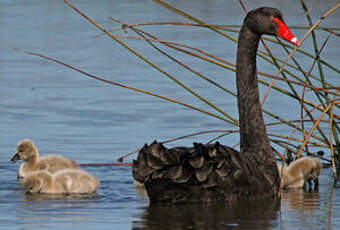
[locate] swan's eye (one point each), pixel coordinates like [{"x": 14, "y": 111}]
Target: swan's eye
[
  {"x": 271, "y": 27},
  {"x": 273, "y": 19}
]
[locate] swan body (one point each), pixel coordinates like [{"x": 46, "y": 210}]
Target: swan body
[
  {"x": 65, "y": 181},
  {"x": 305, "y": 169},
  {"x": 28, "y": 152},
  {"x": 202, "y": 173},
  {"x": 214, "y": 172}
]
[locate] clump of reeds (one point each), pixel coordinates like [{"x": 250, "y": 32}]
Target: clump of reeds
[{"x": 299, "y": 82}]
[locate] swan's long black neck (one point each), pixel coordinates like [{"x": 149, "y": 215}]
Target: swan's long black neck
[{"x": 252, "y": 129}]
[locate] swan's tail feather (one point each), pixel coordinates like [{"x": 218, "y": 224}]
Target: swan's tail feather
[{"x": 190, "y": 174}]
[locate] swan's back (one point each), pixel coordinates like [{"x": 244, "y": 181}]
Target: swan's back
[
  {"x": 76, "y": 181},
  {"x": 202, "y": 173}
]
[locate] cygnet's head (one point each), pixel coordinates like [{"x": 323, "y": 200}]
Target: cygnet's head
[
  {"x": 33, "y": 183},
  {"x": 25, "y": 150}
]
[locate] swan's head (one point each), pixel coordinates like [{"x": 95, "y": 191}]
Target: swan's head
[
  {"x": 267, "y": 20},
  {"x": 33, "y": 183},
  {"x": 25, "y": 150}
]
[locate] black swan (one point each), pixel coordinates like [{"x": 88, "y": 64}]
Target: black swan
[{"x": 214, "y": 172}]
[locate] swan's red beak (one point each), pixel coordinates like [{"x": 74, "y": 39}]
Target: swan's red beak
[{"x": 284, "y": 32}]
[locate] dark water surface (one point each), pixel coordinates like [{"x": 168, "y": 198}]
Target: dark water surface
[{"x": 92, "y": 122}]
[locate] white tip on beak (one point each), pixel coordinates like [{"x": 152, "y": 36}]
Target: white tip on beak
[{"x": 295, "y": 41}]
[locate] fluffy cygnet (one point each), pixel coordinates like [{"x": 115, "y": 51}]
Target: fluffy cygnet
[
  {"x": 140, "y": 188},
  {"x": 282, "y": 170},
  {"x": 27, "y": 152},
  {"x": 305, "y": 169},
  {"x": 64, "y": 181}
]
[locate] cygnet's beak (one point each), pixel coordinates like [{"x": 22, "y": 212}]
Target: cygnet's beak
[{"x": 15, "y": 158}]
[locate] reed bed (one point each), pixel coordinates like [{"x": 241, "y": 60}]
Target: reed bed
[{"x": 292, "y": 79}]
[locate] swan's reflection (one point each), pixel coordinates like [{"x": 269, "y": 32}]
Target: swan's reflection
[{"x": 216, "y": 216}]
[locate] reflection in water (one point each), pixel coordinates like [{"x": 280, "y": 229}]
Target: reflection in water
[
  {"x": 39, "y": 210},
  {"x": 97, "y": 123},
  {"x": 217, "y": 216},
  {"x": 300, "y": 201},
  {"x": 302, "y": 206},
  {"x": 56, "y": 196}
]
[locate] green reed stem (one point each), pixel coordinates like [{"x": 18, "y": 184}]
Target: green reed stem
[
  {"x": 333, "y": 9},
  {"x": 190, "y": 17},
  {"x": 168, "y": 44},
  {"x": 315, "y": 44},
  {"x": 304, "y": 53},
  {"x": 327, "y": 28},
  {"x": 195, "y": 72},
  {"x": 143, "y": 33},
  {"x": 316, "y": 93},
  {"x": 184, "y": 14},
  {"x": 302, "y": 71},
  {"x": 219, "y": 61},
  {"x": 233, "y": 122},
  {"x": 228, "y": 67},
  {"x": 155, "y": 39},
  {"x": 176, "y": 46},
  {"x": 223, "y": 27},
  {"x": 122, "y": 85}
]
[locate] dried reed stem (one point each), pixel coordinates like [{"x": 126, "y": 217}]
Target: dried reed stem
[
  {"x": 312, "y": 130},
  {"x": 122, "y": 85},
  {"x": 231, "y": 121},
  {"x": 307, "y": 34},
  {"x": 335, "y": 176}
]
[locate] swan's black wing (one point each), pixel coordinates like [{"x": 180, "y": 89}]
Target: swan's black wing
[{"x": 202, "y": 173}]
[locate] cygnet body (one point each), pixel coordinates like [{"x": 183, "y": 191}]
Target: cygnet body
[
  {"x": 65, "y": 181},
  {"x": 140, "y": 188},
  {"x": 28, "y": 152},
  {"x": 305, "y": 169},
  {"x": 282, "y": 171}
]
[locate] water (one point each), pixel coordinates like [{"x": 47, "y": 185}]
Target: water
[{"x": 91, "y": 122}]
